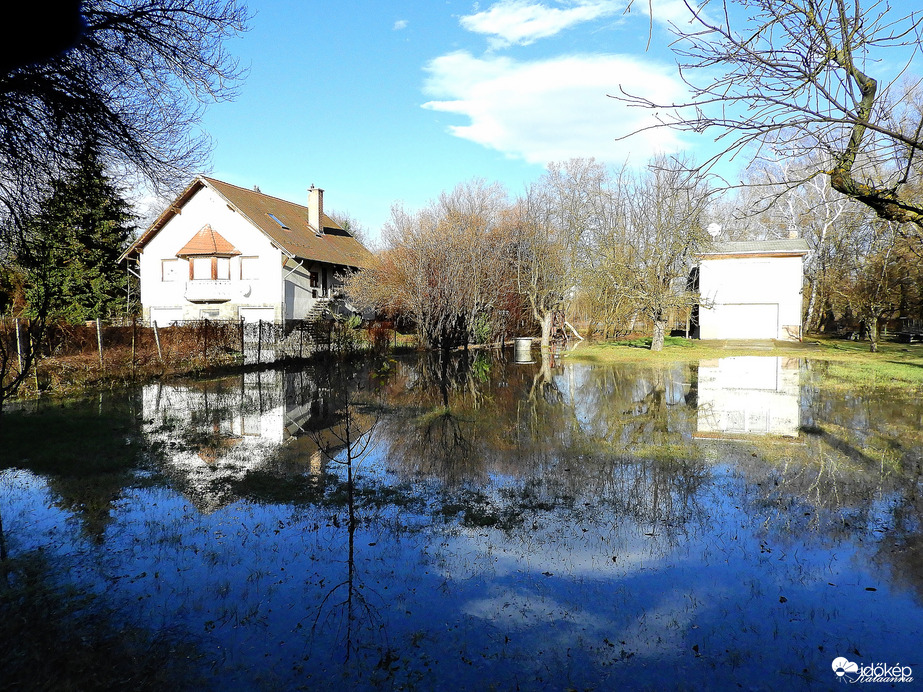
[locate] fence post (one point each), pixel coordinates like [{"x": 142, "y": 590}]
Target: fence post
[
  {"x": 99, "y": 341},
  {"x": 157, "y": 341},
  {"x": 33, "y": 349},
  {"x": 259, "y": 340},
  {"x": 18, "y": 345},
  {"x": 205, "y": 341},
  {"x": 134, "y": 331},
  {"x": 243, "y": 353}
]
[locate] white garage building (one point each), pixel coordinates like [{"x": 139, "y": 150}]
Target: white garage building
[{"x": 752, "y": 290}]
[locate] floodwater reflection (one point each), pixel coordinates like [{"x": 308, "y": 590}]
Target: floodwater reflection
[
  {"x": 749, "y": 395},
  {"x": 466, "y": 522}
]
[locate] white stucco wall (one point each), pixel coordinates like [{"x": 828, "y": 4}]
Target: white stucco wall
[
  {"x": 750, "y": 298},
  {"x": 206, "y": 207}
]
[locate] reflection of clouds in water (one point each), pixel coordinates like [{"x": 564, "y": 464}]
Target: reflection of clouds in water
[
  {"x": 518, "y": 609},
  {"x": 620, "y": 618},
  {"x": 661, "y": 630},
  {"x": 560, "y": 548}
]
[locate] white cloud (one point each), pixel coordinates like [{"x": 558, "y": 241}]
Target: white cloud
[
  {"x": 523, "y": 22},
  {"x": 553, "y": 109},
  {"x": 400, "y": 24}
]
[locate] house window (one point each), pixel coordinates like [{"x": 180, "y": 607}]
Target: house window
[
  {"x": 201, "y": 268},
  {"x": 222, "y": 268},
  {"x": 249, "y": 268},
  {"x": 169, "y": 270},
  {"x": 315, "y": 280},
  {"x": 210, "y": 268}
]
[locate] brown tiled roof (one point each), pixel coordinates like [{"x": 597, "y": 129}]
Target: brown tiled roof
[
  {"x": 207, "y": 242},
  {"x": 336, "y": 246}
]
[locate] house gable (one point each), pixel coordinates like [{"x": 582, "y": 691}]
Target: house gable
[{"x": 284, "y": 223}]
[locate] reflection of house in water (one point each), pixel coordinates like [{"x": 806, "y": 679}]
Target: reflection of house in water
[
  {"x": 212, "y": 434},
  {"x": 748, "y": 395}
]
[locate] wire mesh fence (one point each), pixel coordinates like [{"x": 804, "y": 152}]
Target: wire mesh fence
[{"x": 72, "y": 355}]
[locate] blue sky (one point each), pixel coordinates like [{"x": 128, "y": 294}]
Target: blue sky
[
  {"x": 384, "y": 102},
  {"x": 393, "y": 102}
]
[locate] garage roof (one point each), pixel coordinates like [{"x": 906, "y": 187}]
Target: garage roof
[{"x": 783, "y": 247}]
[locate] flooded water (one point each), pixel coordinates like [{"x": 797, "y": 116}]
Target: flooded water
[{"x": 471, "y": 523}]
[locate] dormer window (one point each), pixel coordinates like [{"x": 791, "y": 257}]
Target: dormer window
[{"x": 209, "y": 256}]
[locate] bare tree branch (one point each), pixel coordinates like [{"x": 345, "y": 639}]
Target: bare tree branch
[{"x": 795, "y": 73}]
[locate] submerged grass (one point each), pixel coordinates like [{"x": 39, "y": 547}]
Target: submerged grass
[
  {"x": 59, "y": 638},
  {"x": 850, "y": 363},
  {"x": 73, "y": 440}
]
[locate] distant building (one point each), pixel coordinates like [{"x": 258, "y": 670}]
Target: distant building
[
  {"x": 752, "y": 290},
  {"x": 224, "y": 252}
]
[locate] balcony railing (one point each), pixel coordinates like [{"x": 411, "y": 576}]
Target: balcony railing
[{"x": 208, "y": 291}]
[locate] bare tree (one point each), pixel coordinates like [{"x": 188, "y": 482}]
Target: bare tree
[
  {"x": 445, "y": 268},
  {"x": 664, "y": 232},
  {"x": 552, "y": 226},
  {"x": 129, "y": 77},
  {"x": 133, "y": 82},
  {"x": 814, "y": 211},
  {"x": 798, "y": 74},
  {"x": 543, "y": 273},
  {"x": 879, "y": 276}
]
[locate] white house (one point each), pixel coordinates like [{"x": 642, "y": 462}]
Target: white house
[
  {"x": 752, "y": 290},
  {"x": 224, "y": 252}
]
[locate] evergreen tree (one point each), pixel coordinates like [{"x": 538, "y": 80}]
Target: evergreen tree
[{"x": 71, "y": 256}]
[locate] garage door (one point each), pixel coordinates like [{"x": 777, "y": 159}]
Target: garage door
[
  {"x": 747, "y": 321},
  {"x": 164, "y": 317},
  {"x": 256, "y": 314}
]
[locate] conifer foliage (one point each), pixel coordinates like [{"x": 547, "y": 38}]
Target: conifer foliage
[{"x": 69, "y": 261}]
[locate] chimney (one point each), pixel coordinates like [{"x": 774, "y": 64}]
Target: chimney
[{"x": 316, "y": 210}]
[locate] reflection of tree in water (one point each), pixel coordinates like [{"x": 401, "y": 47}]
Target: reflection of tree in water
[
  {"x": 88, "y": 453},
  {"x": 901, "y": 544},
  {"x": 442, "y": 405},
  {"x": 346, "y": 608},
  {"x": 57, "y": 638},
  {"x": 856, "y": 468},
  {"x": 630, "y": 431},
  {"x": 555, "y": 435}
]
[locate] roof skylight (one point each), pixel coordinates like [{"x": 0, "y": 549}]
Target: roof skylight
[{"x": 276, "y": 219}]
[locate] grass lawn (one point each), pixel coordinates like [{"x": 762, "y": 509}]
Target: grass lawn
[{"x": 850, "y": 363}]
